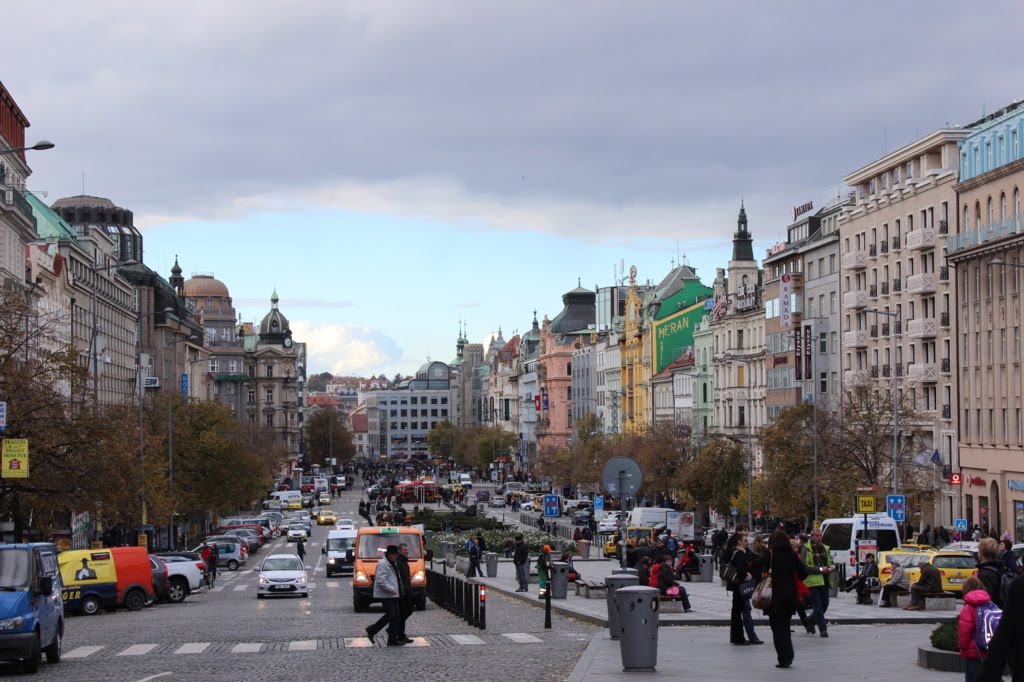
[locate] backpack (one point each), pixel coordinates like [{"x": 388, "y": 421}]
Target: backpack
[
  {"x": 1005, "y": 580},
  {"x": 988, "y": 616},
  {"x": 672, "y": 546}
]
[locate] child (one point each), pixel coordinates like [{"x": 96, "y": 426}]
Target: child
[{"x": 974, "y": 596}]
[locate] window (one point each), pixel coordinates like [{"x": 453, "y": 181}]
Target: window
[
  {"x": 568, "y": 369},
  {"x": 739, "y": 339},
  {"x": 270, "y": 370},
  {"x": 270, "y": 420},
  {"x": 270, "y": 395},
  {"x": 832, "y": 300},
  {"x": 824, "y": 382},
  {"x": 568, "y": 393},
  {"x": 232, "y": 366},
  {"x": 742, "y": 416},
  {"x": 214, "y": 365},
  {"x": 252, "y": 396},
  {"x": 822, "y": 344},
  {"x": 832, "y": 264}
]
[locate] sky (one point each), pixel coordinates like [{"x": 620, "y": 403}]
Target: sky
[{"x": 395, "y": 168}]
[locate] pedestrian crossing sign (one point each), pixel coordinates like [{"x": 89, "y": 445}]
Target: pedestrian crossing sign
[{"x": 960, "y": 525}]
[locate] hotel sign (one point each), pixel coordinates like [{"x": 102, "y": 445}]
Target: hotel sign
[
  {"x": 786, "y": 300},
  {"x": 801, "y": 209}
]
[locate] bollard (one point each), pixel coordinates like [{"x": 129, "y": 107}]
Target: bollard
[
  {"x": 559, "y": 585},
  {"x": 638, "y": 627},
  {"x": 584, "y": 546},
  {"x": 491, "y": 559},
  {"x": 614, "y": 583}
]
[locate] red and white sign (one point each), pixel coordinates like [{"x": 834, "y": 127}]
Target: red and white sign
[
  {"x": 786, "y": 301},
  {"x": 956, "y": 479}
]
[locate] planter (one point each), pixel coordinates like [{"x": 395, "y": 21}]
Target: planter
[{"x": 937, "y": 659}]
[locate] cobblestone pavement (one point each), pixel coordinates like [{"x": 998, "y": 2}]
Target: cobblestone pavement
[{"x": 228, "y": 634}]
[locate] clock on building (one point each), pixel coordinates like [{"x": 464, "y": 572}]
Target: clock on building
[{"x": 287, "y": 342}]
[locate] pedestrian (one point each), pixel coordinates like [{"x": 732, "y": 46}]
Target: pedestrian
[
  {"x": 577, "y": 534},
  {"x": 898, "y": 583},
  {"x": 740, "y": 620},
  {"x": 801, "y": 602},
  {"x": 868, "y": 573},
  {"x": 544, "y": 570},
  {"x": 406, "y": 601},
  {"x": 929, "y": 582},
  {"x": 974, "y": 596},
  {"x": 1008, "y": 558},
  {"x": 991, "y": 569},
  {"x": 300, "y": 549},
  {"x": 1007, "y": 645},
  {"x": 474, "y": 559},
  {"x": 817, "y": 555},
  {"x": 667, "y": 585},
  {"x": 521, "y": 560},
  {"x": 672, "y": 547},
  {"x": 644, "y": 571},
  {"x": 785, "y": 568},
  {"x": 387, "y": 587}
]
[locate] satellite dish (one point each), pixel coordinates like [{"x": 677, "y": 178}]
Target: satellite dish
[{"x": 621, "y": 476}]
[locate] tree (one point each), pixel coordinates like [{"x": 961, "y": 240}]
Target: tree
[
  {"x": 715, "y": 476},
  {"x": 789, "y": 462},
  {"x": 662, "y": 453},
  {"x": 441, "y": 439},
  {"x": 492, "y": 442},
  {"x": 318, "y": 382},
  {"x": 327, "y": 437}
]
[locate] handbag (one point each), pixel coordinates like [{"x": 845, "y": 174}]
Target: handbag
[
  {"x": 802, "y": 591},
  {"x": 762, "y": 595},
  {"x": 747, "y": 588},
  {"x": 727, "y": 571},
  {"x": 672, "y": 591}
]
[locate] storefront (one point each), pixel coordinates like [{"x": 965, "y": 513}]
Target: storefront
[{"x": 1015, "y": 491}]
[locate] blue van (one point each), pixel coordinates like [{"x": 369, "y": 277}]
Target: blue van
[{"x": 31, "y": 604}]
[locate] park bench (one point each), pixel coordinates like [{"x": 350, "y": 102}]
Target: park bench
[
  {"x": 591, "y": 589},
  {"x": 930, "y": 601},
  {"x": 670, "y": 604}
]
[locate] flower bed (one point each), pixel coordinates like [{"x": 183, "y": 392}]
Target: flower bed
[{"x": 495, "y": 539}]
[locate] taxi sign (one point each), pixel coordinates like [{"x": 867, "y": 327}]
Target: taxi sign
[{"x": 865, "y": 504}]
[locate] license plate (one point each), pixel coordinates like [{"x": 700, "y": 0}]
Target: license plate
[
  {"x": 956, "y": 580},
  {"x": 281, "y": 588}
]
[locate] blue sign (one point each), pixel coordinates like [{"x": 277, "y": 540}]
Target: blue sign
[
  {"x": 184, "y": 385},
  {"x": 896, "y": 507},
  {"x": 598, "y": 503},
  {"x": 960, "y": 525},
  {"x": 734, "y": 511},
  {"x": 551, "y": 505}
]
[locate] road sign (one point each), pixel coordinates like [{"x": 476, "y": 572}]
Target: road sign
[
  {"x": 3, "y": 416},
  {"x": 551, "y": 505},
  {"x": 865, "y": 504},
  {"x": 734, "y": 511},
  {"x": 896, "y": 507},
  {"x": 184, "y": 384},
  {"x": 960, "y": 525},
  {"x": 598, "y": 503},
  {"x": 624, "y": 472}
]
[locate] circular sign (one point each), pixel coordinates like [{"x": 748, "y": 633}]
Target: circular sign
[{"x": 621, "y": 476}]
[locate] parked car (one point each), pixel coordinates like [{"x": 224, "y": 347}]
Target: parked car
[
  {"x": 498, "y": 501},
  {"x": 282, "y": 574},
  {"x": 32, "y": 604},
  {"x": 246, "y": 535},
  {"x": 183, "y": 576},
  {"x": 106, "y": 578},
  {"x": 160, "y": 581},
  {"x": 581, "y": 518},
  {"x": 609, "y": 523},
  {"x": 231, "y": 553},
  {"x": 530, "y": 505}
]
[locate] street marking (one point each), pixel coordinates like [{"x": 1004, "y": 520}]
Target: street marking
[
  {"x": 312, "y": 585},
  {"x": 153, "y": 677},
  {"x": 138, "y": 649},
  {"x": 239, "y": 588},
  {"x": 418, "y": 641},
  {"x": 247, "y": 648},
  {"x": 82, "y": 652},
  {"x": 358, "y": 642},
  {"x": 217, "y": 589},
  {"x": 522, "y": 638},
  {"x": 303, "y": 645},
  {"x": 333, "y": 584},
  {"x": 466, "y": 639},
  {"x": 192, "y": 648}
]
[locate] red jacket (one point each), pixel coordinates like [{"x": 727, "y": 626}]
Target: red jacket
[
  {"x": 652, "y": 581},
  {"x": 968, "y": 621}
]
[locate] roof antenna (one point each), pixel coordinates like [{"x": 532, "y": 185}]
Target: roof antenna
[{"x": 83, "y": 183}]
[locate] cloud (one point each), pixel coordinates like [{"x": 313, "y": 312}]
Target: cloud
[{"x": 346, "y": 349}]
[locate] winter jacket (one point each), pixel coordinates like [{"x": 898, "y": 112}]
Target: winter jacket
[
  {"x": 930, "y": 580},
  {"x": 1007, "y": 644},
  {"x": 739, "y": 561},
  {"x": 824, "y": 558},
  {"x": 990, "y": 573},
  {"x": 899, "y": 579},
  {"x": 386, "y": 581},
  {"x": 785, "y": 567},
  {"x": 665, "y": 580},
  {"x": 968, "y": 620},
  {"x": 652, "y": 578},
  {"x": 521, "y": 555}
]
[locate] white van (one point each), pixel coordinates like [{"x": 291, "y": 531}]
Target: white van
[
  {"x": 285, "y": 496},
  {"x": 841, "y": 535},
  {"x": 466, "y": 481},
  {"x": 339, "y": 550},
  {"x": 647, "y": 517}
]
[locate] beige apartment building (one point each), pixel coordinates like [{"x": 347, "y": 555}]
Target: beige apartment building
[{"x": 896, "y": 300}]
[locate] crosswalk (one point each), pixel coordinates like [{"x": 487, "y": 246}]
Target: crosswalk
[{"x": 304, "y": 645}]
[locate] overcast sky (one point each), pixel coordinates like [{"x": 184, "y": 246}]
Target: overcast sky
[{"x": 392, "y": 167}]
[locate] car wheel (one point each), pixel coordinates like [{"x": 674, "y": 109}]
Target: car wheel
[
  {"x": 232, "y": 565},
  {"x": 54, "y": 650},
  {"x": 31, "y": 664},
  {"x": 177, "y": 591},
  {"x": 135, "y": 600},
  {"x": 90, "y": 605}
]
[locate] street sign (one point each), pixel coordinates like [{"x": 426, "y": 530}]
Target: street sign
[
  {"x": 598, "y": 503},
  {"x": 184, "y": 384},
  {"x": 3, "y": 416},
  {"x": 622, "y": 470},
  {"x": 551, "y": 505},
  {"x": 15, "y": 458},
  {"x": 896, "y": 507},
  {"x": 865, "y": 504},
  {"x": 734, "y": 511},
  {"x": 960, "y": 525}
]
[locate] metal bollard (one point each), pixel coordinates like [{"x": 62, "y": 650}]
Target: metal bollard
[
  {"x": 638, "y": 627},
  {"x": 614, "y": 583}
]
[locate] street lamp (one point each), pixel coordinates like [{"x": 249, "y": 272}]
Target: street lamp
[
  {"x": 750, "y": 438},
  {"x": 170, "y": 343},
  {"x": 142, "y": 391},
  {"x": 895, "y": 405},
  {"x": 38, "y": 147}
]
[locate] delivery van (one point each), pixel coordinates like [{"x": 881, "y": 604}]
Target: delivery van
[
  {"x": 106, "y": 578},
  {"x": 648, "y": 516},
  {"x": 340, "y": 550},
  {"x": 882, "y": 534},
  {"x": 32, "y": 604},
  {"x": 370, "y": 545}
]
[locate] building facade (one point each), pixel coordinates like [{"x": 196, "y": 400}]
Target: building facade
[
  {"x": 17, "y": 220},
  {"x": 407, "y": 413}
]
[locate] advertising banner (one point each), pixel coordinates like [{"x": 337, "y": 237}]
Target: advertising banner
[
  {"x": 15, "y": 458},
  {"x": 786, "y": 300}
]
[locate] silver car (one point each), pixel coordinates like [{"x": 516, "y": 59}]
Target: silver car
[
  {"x": 282, "y": 574},
  {"x": 297, "y": 532}
]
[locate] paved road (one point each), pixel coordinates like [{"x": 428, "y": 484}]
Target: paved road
[{"x": 227, "y": 634}]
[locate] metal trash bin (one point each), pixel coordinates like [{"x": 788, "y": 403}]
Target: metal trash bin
[
  {"x": 492, "y": 564},
  {"x": 628, "y": 571},
  {"x": 613, "y": 583},
  {"x": 584, "y": 547},
  {"x": 559, "y": 579},
  {"x": 707, "y": 568},
  {"x": 638, "y": 626}
]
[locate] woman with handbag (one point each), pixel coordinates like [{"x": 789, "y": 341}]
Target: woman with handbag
[
  {"x": 667, "y": 585},
  {"x": 779, "y": 589},
  {"x": 737, "y": 576}
]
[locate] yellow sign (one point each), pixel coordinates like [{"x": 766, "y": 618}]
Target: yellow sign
[
  {"x": 15, "y": 458},
  {"x": 143, "y": 540},
  {"x": 865, "y": 504}
]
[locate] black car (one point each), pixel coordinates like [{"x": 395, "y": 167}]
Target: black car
[{"x": 161, "y": 587}]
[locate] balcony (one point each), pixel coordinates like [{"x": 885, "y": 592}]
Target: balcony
[
  {"x": 947, "y": 411},
  {"x": 922, "y": 328},
  {"x": 855, "y": 299},
  {"x": 873, "y": 291},
  {"x": 855, "y": 260},
  {"x": 873, "y": 332},
  {"x": 923, "y": 372},
  {"x": 886, "y": 372},
  {"x": 944, "y": 320},
  {"x": 896, "y": 285},
  {"x": 873, "y": 251},
  {"x": 13, "y": 201},
  {"x": 896, "y": 243},
  {"x": 943, "y": 227},
  {"x": 874, "y": 371},
  {"x": 921, "y": 283},
  {"x": 986, "y": 233},
  {"x": 944, "y": 367},
  {"x": 885, "y": 288},
  {"x": 944, "y": 273},
  {"x": 897, "y": 327},
  {"x": 885, "y": 329},
  {"x": 885, "y": 248},
  {"x": 856, "y": 339},
  {"x": 921, "y": 239},
  {"x": 855, "y": 377}
]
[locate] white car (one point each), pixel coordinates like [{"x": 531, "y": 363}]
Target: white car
[
  {"x": 282, "y": 574},
  {"x": 497, "y": 501},
  {"x": 183, "y": 576},
  {"x": 529, "y": 506},
  {"x": 297, "y": 532},
  {"x": 345, "y": 524},
  {"x": 609, "y": 523}
]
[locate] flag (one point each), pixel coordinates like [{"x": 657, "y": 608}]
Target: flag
[
  {"x": 936, "y": 457},
  {"x": 922, "y": 458}
]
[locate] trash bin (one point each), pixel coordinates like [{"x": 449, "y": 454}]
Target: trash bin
[
  {"x": 428, "y": 535},
  {"x": 584, "y": 547},
  {"x": 707, "y": 568},
  {"x": 638, "y": 626},
  {"x": 559, "y": 579},
  {"x": 629, "y": 571},
  {"x": 613, "y": 583},
  {"x": 492, "y": 564}
]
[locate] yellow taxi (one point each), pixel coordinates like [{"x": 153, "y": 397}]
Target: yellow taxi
[
  {"x": 908, "y": 558},
  {"x": 326, "y": 518},
  {"x": 295, "y": 505},
  {"x": 955, "y": 567},
  {"x": 611, "y": 548},
  {"x": 919, "y": 548}
]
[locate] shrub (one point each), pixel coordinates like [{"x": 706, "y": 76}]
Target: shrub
[
  {"x": 495, "y": 540},
  {"x": 945, "y": 634}
]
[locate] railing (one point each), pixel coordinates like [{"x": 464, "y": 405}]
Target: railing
[
  {"x": 874, "y": 331},
  {"x": 885, "y": 248},
  {"x": 899, "y": 369},
  {"x": 944, "y": 273},
  {"x": 986, "y": 233},
  {"x": 873, "y": 250},
  {"x": 886, "y": 371},
  {"x": 895, "y": 243},
  {"x": 947, "y": 412},
  {"x": 897, "y": 327},
  {"x": 874, "y": 371},
  {"x": 16, "y": 199},
  {"x": 885, "y": 329},
  {"x": 885, "y": 288},
  {"x": 896, "y": 285},
  {"x": 465, "y": 599},
  {"x": 943, "y": 319},
  {"x": 873, "y": 290},
  {"x": 945, "y": 365}
]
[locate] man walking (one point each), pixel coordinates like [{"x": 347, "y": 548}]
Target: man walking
[
  {"x": 521, "y": 560},
  {"x": 817, "y": 555},
  {"x": 474, "y": 559},
  {"x": 300, "y": 549},
  {"x": 404, "y": 575},
  {"x": 387, "y": 587}
]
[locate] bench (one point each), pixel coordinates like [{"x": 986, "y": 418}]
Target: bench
[
  {"x": 671, "y": 604},
  {"x": 930, "y": 601},
  {"x": 591, "y": 589}
]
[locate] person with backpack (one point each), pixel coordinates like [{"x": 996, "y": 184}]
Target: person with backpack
[
  {"x": 1008, "y": 558},
  {"x": 975, "y": 599},
  {"x": 991, "y": 571},
  {"x": 1007, "y": 643}
]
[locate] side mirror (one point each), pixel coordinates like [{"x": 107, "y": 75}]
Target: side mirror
[
  {"x": 430, "y": 555},
  {"x": 323, "y": 550},
  {"x": 46, "y": 585}
]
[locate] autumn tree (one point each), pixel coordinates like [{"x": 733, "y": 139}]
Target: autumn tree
[
  {"x": 715, "y": 475},
  {"x": 327, "y": 437},
  {"x": 442, "y": 438},
  {"x": 663, "y": 452}
]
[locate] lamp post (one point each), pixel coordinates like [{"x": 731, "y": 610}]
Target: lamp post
[
  {"x": 170, "y": 343},
  {"x": 895, "y": 404},
  {"x": 38, "y": 147},
  {"x": 750, "y": 438}
]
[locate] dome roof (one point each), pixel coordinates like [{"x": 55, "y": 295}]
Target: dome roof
[
  {"x": 203, "y": 286},
  {"x": 83, "y": 200},
  {"x": 274, "y": 323}
]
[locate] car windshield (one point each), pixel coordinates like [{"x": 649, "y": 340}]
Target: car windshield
[
  {"x": 283, "y": 564},
  {"x": 372, "y": 546},
  {"x": 296, "y": 526},
  {"x": 14, "y": 569},
  {"x": 340, "y": 544}
]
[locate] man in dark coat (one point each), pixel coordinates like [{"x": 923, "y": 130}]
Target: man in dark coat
[
  {"x": 521, "y": 560},
  {"x": 1007, "y": 646},
  {"x": 930, "y": 581}
]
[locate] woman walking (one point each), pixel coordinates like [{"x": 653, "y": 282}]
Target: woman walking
[
  {"x": 739, "y": 618},
  {"x": 785, "y": 568}
]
